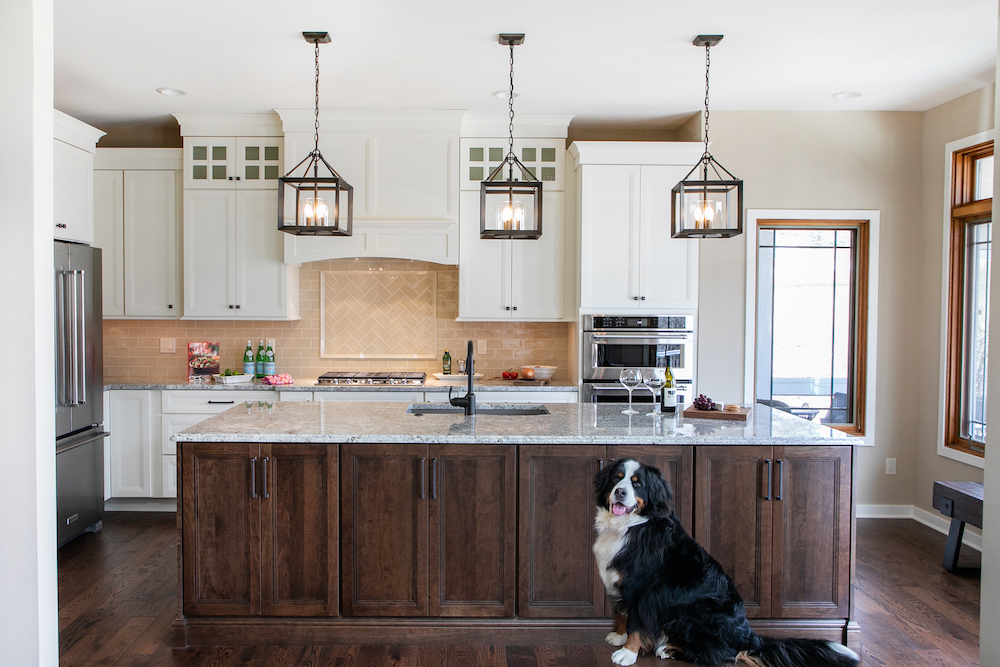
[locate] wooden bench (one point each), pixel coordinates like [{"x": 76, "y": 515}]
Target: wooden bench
[{"x": 963, "y": 502}]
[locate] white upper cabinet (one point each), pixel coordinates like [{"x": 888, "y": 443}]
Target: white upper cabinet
[
  {"x": 233, "y": 263},
  {"x": 244, "y": 163},
  {"x": 137, "y": 225},
  {"x": 628, "y": 259},
  {"x": 73, "y": 178}
]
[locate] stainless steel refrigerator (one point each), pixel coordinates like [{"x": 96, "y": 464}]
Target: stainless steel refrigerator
[{"x": 79, "y": 361}]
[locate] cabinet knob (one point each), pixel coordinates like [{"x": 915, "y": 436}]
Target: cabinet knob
[
  {"x": 230, "y": 178},
  {"x": 231, "y": 306},
  {"x": 170, "y": 305},
  {"x": 237, "y": 306},
  {"x": 643, "y": 298},
  {"x": 515, "y": 307},
  {"x": 61, "y": 225},
  {"x": 635, "y": 298},
  {"x": 237, "y": 178},
  {"x": 508, "y": 307}
]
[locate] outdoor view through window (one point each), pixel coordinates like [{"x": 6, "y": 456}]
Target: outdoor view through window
[{"x": 808, "y": 319}]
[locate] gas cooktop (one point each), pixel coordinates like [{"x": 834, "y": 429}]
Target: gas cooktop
[{"x": 357, "y": 378}]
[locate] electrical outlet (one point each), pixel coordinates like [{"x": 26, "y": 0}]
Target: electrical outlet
[
  {"x": 890, "y": 466},
  {"x": 168, "y": 345},
  {"x": 482, "y": 347}
]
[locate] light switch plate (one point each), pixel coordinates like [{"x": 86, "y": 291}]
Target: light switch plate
[
  {"x": 890, "y": 466},
  {"x": 168, "y": 345}
]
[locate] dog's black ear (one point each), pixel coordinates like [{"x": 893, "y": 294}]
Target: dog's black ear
[
  {"x": 601, "y": 484},
  {"x": 660, "y": 493}
]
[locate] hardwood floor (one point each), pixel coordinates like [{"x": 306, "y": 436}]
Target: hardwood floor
[{"x": 117, "y": 598}]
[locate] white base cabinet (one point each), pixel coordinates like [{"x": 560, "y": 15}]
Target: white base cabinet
[{"x": 133, "y": 424}]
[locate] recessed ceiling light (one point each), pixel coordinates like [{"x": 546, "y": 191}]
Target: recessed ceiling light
[
  {"x": 505, "y": 94},
  {"x": 845, "y": 95},
  {"x": 173, "y": 92}
]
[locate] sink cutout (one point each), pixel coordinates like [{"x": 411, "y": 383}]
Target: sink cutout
[{"x": 501, "y": 409}]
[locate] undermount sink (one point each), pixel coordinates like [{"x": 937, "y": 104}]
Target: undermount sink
[{"x": 503, "y": 409}]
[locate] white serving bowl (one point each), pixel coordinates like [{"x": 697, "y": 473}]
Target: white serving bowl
[{"x": 541, "y": 372}]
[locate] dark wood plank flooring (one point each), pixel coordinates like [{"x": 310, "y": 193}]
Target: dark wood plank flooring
[{"x": 117, "y": 598}]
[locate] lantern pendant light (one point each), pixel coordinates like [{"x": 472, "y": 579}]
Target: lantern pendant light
[
  {"x": 510, "y": 209},
  {"x": 707, "y": 204},
  {"x": 319, "y": 200}
]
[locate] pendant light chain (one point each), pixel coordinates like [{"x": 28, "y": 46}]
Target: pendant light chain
[
  {"x": 510, "y": 112},
  {"x": 316, "y": 124},
  {"x": 708, "y": 64}
]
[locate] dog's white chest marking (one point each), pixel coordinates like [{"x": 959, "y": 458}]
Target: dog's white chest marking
[{"x": 612, "y": 534}]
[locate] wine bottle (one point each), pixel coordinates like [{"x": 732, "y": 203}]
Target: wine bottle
[
  {"x": 668, "y": 395},
  {"x": 248, "y": 364},
  {"x": 269, "y": 358},
  {"x": 259, "y": 361},
  {"x": 446, "y": 363}
]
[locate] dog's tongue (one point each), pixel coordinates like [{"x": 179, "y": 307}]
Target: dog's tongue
[{"x": 618, "y": 509}]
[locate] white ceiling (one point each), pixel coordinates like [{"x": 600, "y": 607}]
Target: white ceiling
[{"x": 629, "y": 61}]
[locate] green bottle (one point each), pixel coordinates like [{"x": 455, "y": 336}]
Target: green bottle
[
  {"x": 248, "y": 365},
  {"x": 446, "y": 363},
  {"x": 668, "y": 395},
  {"x": 269, "y": 358},
  {"x": 259, "y": 363}
]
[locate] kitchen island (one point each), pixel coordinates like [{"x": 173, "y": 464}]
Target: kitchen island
[{"x": 365, "y": 523}]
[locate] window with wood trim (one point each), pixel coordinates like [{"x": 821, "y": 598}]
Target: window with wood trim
[
  {"x": 812, "y": 319},
  {"x": 969, "y": 298}
]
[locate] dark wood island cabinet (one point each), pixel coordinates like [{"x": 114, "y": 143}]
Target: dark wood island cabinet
[{"x": 486, "y": 537}]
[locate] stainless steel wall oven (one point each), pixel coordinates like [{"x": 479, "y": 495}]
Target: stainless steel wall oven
[{"x": 613, "y": 342}]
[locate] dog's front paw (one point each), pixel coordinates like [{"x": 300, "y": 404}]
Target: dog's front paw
[
  {"x": 666, "y": 652},
  {"x": 615, "y": 639},
  {"x": 625, "y": 657}
]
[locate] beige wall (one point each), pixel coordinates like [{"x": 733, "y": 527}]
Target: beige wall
[
  {"x": 131, "y": 347},
  {"x": 960, "y": 118},
  {"x": 828, "y": 160}
]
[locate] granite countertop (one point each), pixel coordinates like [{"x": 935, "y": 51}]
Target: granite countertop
[
  {"x": 309, "y": 384},
  {"x": 568, "y": 423}
]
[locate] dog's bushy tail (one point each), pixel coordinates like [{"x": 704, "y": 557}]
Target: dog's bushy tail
[{"x": 798, "y": 653}]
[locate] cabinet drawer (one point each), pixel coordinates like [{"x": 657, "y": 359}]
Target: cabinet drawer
[
  {"x": 209, "y": 401},
  {"x": 295, "y": 396},
  {"x": 381, "y": 396}
]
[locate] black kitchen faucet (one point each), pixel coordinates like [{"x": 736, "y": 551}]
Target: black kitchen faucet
[{"x": 469, "y": 400}]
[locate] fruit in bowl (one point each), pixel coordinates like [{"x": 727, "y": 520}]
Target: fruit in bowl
[{"x": 538, "y": 372}]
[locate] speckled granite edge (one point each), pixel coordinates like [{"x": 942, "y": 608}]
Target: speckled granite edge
[
  {"x": 309, "y": 385},
  {"x": 569, "y": 423}
]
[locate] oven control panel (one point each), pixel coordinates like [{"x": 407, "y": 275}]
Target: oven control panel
[{"x": 671, "y": 323}]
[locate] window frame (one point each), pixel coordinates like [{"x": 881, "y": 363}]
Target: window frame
[
  {"x": 860, "y": 288},
  {"x": 962, "y": 211},
  {"x": 872, "y": 216}
]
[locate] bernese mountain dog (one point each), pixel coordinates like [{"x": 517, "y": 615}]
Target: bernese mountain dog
[{"x": 669, "y": 594}]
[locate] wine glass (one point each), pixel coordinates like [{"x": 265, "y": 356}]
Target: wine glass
[
  {"x": 630, "y": 379},
  {"x": 654, "y": 379}
]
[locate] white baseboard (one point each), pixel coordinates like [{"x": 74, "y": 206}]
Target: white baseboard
[
  {"x": 973, "y": 536},
  {"x": 140, "y": 505}
]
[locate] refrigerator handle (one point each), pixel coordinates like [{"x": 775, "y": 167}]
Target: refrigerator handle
[
  {"x": 70, "y": 345},
  {"x": 81, "y": 349}
]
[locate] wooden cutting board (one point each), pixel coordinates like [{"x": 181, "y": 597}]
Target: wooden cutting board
[{"x": 695, "y": 413}]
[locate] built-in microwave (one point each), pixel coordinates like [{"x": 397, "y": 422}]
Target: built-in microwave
[{"x": 613, "y": 342}]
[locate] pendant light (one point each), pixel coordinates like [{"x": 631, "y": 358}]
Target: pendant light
[
  {"x": 707, "y": 204},
  {"x": 512, "y": 208},
  {"x": 319, "y": 200}
]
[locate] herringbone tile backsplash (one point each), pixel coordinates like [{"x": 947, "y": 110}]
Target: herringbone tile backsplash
[{"x": 410, "y": 318}]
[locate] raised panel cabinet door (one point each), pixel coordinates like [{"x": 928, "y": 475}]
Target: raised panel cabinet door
[
  {"x": 472, "y": 530},
  {"x": 609, "y": 239},
  {"x": 812, "y": 532},
  {"x": 220, "y": 524},
  {"x": 676, "y": 462},
  {"x": 299, "y": 559},
  {"x": 538, "y": 267},
  {"x": 483, "y": 268},
  {"x": 383, "y": 530},
  {"x": 732, "y": 518},
  {"x": 73, "y": 193},
  {"x": 668, "y": 267},
  {"x": 109, "y": 236},
  {"x": 151, "y": 244},
  {"x": 261, "y": 272},
  {"x": 557, "y": 575},
  {"x": 210, "y": 254}
]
